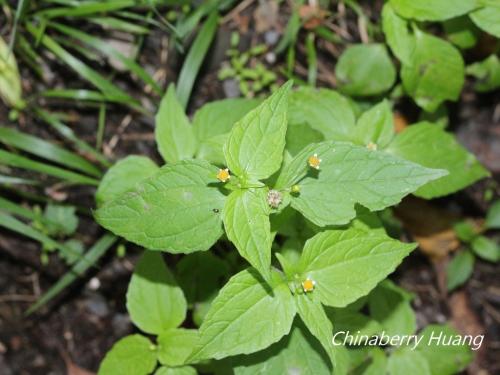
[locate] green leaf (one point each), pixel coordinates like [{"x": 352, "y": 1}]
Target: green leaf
[
  {"x": 461, "y": 32},
  {"x": 487, "y": 73},
  {"x": 459, "y": 269},
  {"x": 175, "y": 346},
  {"x": 407, "y": 361},
  {"x": 345, "y": 320},
  {"x": 195, "y": 58},
  {"x": 218, "y": 117},
  {"x": 154, "y": 301},
  {"x": 200, "y": 274},
  {"x": 299, "y": 136},
  {"x": 88, "y": 260},
  {"x": 359, "y": 64},
  {"x": 371, "y": 361},
  {"x": 297, "y": 353},
  {"x": 334, "y": 258},
  {"x": 174, "y": 135},
  {"x": 465, "y": 231},
  {"x": 213, "y": 122},
  {"x": 390, "y": 306},
  {"x": 255, "y": 145},
  {"x": 62, "y": 220},
  {"x": 349, "y": 175},
  {"x": 47, "y": 150},
  {"x": 15, "y": 160},
  {"x": 486, "y": 249},
  {"x": 487, "y": 18},
  {"x": 433, "y": 10},
  {"x": 248, "y": 315},
  {"x": 10, "y": 80},
  {"x": 323, "y": 110},
  {"x": 397, "y": 34},
  {"x": 124, "y": 176},
  {"x": 246, "y": 220},
  {"x": 315, "y": 319},
  {"x": 493, "y": 216},
  {"x": 376, "y": 126},
  {"x": 429, "y": 145},
  {"x": 132, "y": 355},
  {"x": 174, "y": 210},
  {"x": 436, "y": 72},
  {"x": 184, "y": 370},
  {"x": 444, "y": 359}
]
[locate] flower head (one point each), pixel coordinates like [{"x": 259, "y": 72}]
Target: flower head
[
  {"x": 308, "y": 285},
  {"x": 371, "y": 146},
  {"x": 314, "y": 161},
  {"x": 223, "y": 175},
  {"x": 274, "y": 198}
]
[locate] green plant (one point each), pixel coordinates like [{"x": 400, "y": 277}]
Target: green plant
[
  {"x": 476, "y": 244},
  {"x": 253, "y": 77},
  {"x": 285, "y": 182}
]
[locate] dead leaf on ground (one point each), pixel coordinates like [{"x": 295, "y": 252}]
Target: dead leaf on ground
[
  {"x": 266, "y": 16},
  {"x": 72, "y": 368},
  {"x": 400, "y": 122},
  {"x": 430, "y": 226},
  {"x": 466, "y": 321},
  {"x": 312, "y": 16}
]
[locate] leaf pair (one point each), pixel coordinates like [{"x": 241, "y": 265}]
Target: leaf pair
[
  {"x": 157, "y": 306},
  {"x": 250, "y": 314}
]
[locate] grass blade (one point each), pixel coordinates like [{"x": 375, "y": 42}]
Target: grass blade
[
  {"x": 105, "y": 86},
  {"x": 9, "y": 158},
  {"x": 88, "y": 260},
  {"x": 8, "y": 180},
  {"x": 68, "y": 133},
  {"x": 195, "y": 57},
  {"x": 109, "y": 51},
  {"x": 11, "y": 223},
  {"x": 47, "y": 150}
]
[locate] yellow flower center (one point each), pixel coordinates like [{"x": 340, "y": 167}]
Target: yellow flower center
[
  {"x": 314, "y": 161},
  {"x": 223, "y": 175},
  {"x": 308, "y": 285}
]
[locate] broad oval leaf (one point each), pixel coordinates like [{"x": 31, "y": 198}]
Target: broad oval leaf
[
  {"x": 444, "y": 359},
  {"x": 184, "y": 370},
  {"x": 175, "y": 210},
  {"x": 436, "y": 72},
  {"x": 246, "y": 220},
  {"x": 407, "y": 361},
  {"x": 323, "y": 110},
  {"x": 487, "y": 18},
  {"x": 174, "y": 135},
  {"x": 123, "y": 176},
  {"x": 429, "y": 145},
  {"x": 390, "y": 305},
  {"x": 254, "y": 148},
  {"x": 333, "y": 259},
  {"x": 397, "y": 34},
  {"x": 247, "y": 315},
  {"x": 350, "y": 175},
  {"x": 218, "y": 117},
  {"x": 375, "y": 126},
  {"x": 297, "y": 353},
  {"x": 315, "y": 319},
  {"x": 358, "y": 66},
  {"x": 175, "y": 346},
  {"x": 433, "y": 10},
  {"x": 132, "y": 355},
  {"x": 154, "y": 300}
]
